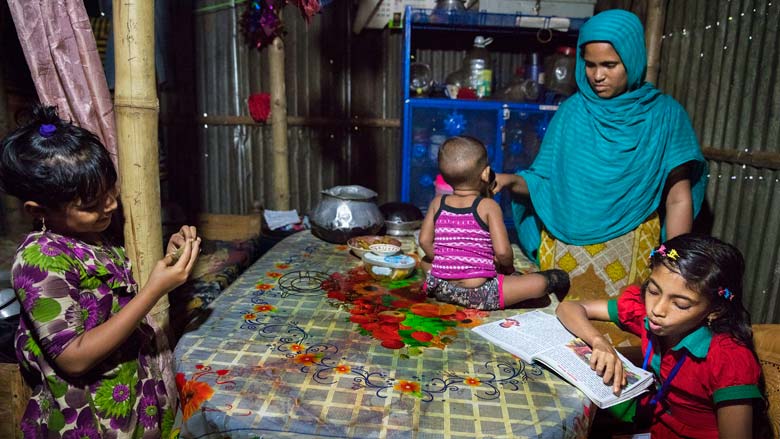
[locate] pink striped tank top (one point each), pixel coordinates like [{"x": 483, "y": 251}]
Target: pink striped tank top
[{"x": 461, "y": 243}]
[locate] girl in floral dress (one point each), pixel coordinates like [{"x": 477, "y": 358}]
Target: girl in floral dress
[{"x": 85, "y": 341}]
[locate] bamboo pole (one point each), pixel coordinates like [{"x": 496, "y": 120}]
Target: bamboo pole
[
  {"x": 656, "y": 15},
  {"x": 137, "y": 108},
  {"x": 280, "y": 198}
]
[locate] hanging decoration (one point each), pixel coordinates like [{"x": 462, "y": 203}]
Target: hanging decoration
[
  {"x": 259, "y": 106},
  {"x": 261, "y": 21},
  {"x": 308, "y": 8}
]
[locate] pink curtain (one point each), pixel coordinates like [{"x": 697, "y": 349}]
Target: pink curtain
[{"x": 62, "y": 55}]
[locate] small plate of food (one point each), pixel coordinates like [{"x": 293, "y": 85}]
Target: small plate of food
[
  {"x": 360, "y": 245},
  {"x": 384, "y": 249}
]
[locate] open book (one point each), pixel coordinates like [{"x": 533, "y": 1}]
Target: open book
[{"x": 536, "y": 336}]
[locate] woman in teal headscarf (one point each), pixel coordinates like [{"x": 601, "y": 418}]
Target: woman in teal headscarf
[{"x": 619, "y": 160}]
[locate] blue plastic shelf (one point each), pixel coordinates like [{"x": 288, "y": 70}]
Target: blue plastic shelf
[
  {"x": 512, "y": 131},
  {"x": 477, "y": 20}
]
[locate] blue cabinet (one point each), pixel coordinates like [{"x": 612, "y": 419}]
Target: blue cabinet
[
  {"x": 512, "y": 131},
  {"x": 427, "y": 123}
]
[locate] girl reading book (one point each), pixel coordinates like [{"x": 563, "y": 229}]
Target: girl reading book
[{"x": 696, "y": 339}]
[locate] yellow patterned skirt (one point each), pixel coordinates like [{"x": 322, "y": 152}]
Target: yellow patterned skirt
[{"x": 602, "y": 271}]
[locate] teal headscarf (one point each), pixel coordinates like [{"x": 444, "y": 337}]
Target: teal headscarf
[{"x": 603, "y": 163}]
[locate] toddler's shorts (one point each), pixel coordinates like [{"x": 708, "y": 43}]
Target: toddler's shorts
[{"x": 488, "y": 296}]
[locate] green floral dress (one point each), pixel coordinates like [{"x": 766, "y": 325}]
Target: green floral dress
[{"x": 67, "y": 287}]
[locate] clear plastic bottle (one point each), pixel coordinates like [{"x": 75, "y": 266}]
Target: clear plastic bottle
[
  {"x": 479, "y": 51},
  {"x": 560, "y": 67},
  {"x": 479, "y": 64},
  {"x": 478, "y": 75}
]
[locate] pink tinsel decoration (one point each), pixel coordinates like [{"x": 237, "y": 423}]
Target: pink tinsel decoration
[
  {"x": 261, "y": 23},
  {"x": 308, "y": 8},
  {"x": 260, "y": 106}
]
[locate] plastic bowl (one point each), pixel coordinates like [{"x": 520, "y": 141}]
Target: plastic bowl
[
  {"x": 384, "y": 249},
  {"x": 394, "y": 267},
  {"x": 361, "y": 245}
]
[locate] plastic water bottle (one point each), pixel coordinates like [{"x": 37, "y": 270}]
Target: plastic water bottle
[{"x": 480, "y": 67}]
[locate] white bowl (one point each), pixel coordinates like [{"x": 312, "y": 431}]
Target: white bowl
[
  {"x": 384, "y": 249},
  {"x": 360, "y": 244}
]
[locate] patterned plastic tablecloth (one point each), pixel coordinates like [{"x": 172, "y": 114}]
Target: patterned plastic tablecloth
[{"x": 306, "y": 344}]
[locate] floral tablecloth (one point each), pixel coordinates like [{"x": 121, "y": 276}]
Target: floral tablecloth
[
  {"x": 305, "y": 344},
  {"x": 219, "y": 264}
]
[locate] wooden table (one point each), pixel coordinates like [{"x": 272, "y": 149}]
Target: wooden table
[{"x": 305, "y": 344}]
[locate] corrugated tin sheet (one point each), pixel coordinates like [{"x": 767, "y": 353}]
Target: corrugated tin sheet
[
  {"x": 222, "y": 86},
  {"x": 235, "y": 158},
  {"x": 721, "y": 60}
]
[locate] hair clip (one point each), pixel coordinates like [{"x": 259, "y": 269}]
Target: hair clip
[
  {"x": 671, "y": 254},
  {"x": 726, "y": 294},
  {"x": 47, "y": 130},
  {"x": 661, "y": 251}
]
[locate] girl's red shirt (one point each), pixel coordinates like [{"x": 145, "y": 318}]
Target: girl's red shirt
[{"x": 718, "y": 369}]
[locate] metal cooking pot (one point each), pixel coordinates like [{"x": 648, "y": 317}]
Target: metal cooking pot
[
  {"x": 401, "y": 219},
  {"x": 345, "y": 212}
]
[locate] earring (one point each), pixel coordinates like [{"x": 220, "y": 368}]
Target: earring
[{"x": 43, "y": 225}]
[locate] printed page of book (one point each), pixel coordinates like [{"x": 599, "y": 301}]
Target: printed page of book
[
  {"x": 526, "y": 335},
  {"x": 572, "y": 362}
]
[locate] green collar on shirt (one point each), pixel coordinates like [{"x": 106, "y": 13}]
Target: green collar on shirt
[{"x": 697, "y": 343}]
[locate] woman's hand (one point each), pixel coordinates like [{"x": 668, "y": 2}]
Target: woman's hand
[
  {"x": 513, "y": 182},
  {"x": 605, "y": 361}
]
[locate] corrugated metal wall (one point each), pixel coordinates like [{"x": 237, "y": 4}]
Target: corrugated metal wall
[
  {"x": 721, "y": 60},
  {"x": 331, "y": 79}
]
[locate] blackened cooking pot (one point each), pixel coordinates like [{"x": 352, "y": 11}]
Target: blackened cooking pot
[{"x": 401, "y": 218}]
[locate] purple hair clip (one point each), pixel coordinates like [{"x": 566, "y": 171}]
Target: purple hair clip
[
  {"x": 47, "y": 130},
  {"x": 726, "y": 294}
]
